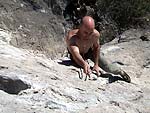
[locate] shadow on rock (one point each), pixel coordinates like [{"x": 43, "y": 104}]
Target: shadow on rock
[
  {"x": 111, "y": 78},
  {"x": 68, "y": 63},
  {"x": 12, "y": 85}
]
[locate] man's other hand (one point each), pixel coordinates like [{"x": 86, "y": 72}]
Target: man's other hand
[{"x": 97, "y": 69}]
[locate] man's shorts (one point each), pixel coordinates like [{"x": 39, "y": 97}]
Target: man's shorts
[{"x": 88, "y": 55}]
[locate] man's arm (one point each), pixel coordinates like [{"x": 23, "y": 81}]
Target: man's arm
[
  {"x": 79, "y": 59},
  {"x": 74, "y": 50},
  {"x": 96, "y": 53},
  {"x": 96, "y": 49}
]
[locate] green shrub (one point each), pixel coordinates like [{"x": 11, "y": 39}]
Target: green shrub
[{"x": 123, "y": 12}]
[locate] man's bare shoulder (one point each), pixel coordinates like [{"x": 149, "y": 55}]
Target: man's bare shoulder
[
  {"x": 96, "y": 33},
  {"x": 72, "y": 32},
  {"x": 71, "y": 38},
  {"x": 96, "y": 36}
]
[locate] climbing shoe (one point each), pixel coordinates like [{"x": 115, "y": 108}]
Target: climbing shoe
[{"x": 125, "y": 76}]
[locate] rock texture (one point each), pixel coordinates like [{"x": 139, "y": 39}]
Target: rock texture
[
  {"x": 54, "y": 86},
  {"x": 30, "y": 82},
  {"x": 42, "y": 24},
  {"x": 34, "y": 24}
]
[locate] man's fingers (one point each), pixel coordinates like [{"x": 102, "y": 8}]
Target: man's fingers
[
  {"x": 96, "y": 72},
  {"x": 88, "y": 75},
  {"x": 85, "y": 70}
]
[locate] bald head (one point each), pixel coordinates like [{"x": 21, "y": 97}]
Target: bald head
[
  {"x": 88, "y": 22},
  {"x": 87, "y": 27}
]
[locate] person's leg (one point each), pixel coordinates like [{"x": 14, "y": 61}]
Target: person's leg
[
  {"x": 112, "y": 68},
  {"x": 107, "y": 66}
]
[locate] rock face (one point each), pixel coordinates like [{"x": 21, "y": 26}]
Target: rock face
[
  {"x": 36, "y": 25},
  {"x": 30, "y": 82},
  {"x": 54, "y": 86},
  {"x": 42, "y": 24}
]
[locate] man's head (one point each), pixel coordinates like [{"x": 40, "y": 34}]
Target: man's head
[{"x": 87, "y": 26}]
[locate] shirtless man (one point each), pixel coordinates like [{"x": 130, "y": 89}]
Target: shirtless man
[
  {"x": 80, "y": 41},
  {"x": 83, "y": 44}
]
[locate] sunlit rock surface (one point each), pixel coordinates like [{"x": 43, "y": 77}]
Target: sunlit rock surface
[{"x": 54, "y": 86}]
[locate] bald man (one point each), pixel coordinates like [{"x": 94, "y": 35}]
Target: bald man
[
  {"x": 83, "y": 44},
  {"x": 80, "y": 41}
]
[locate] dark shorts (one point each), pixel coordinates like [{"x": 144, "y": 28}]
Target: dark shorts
[{"x": 88, "y": 55}]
